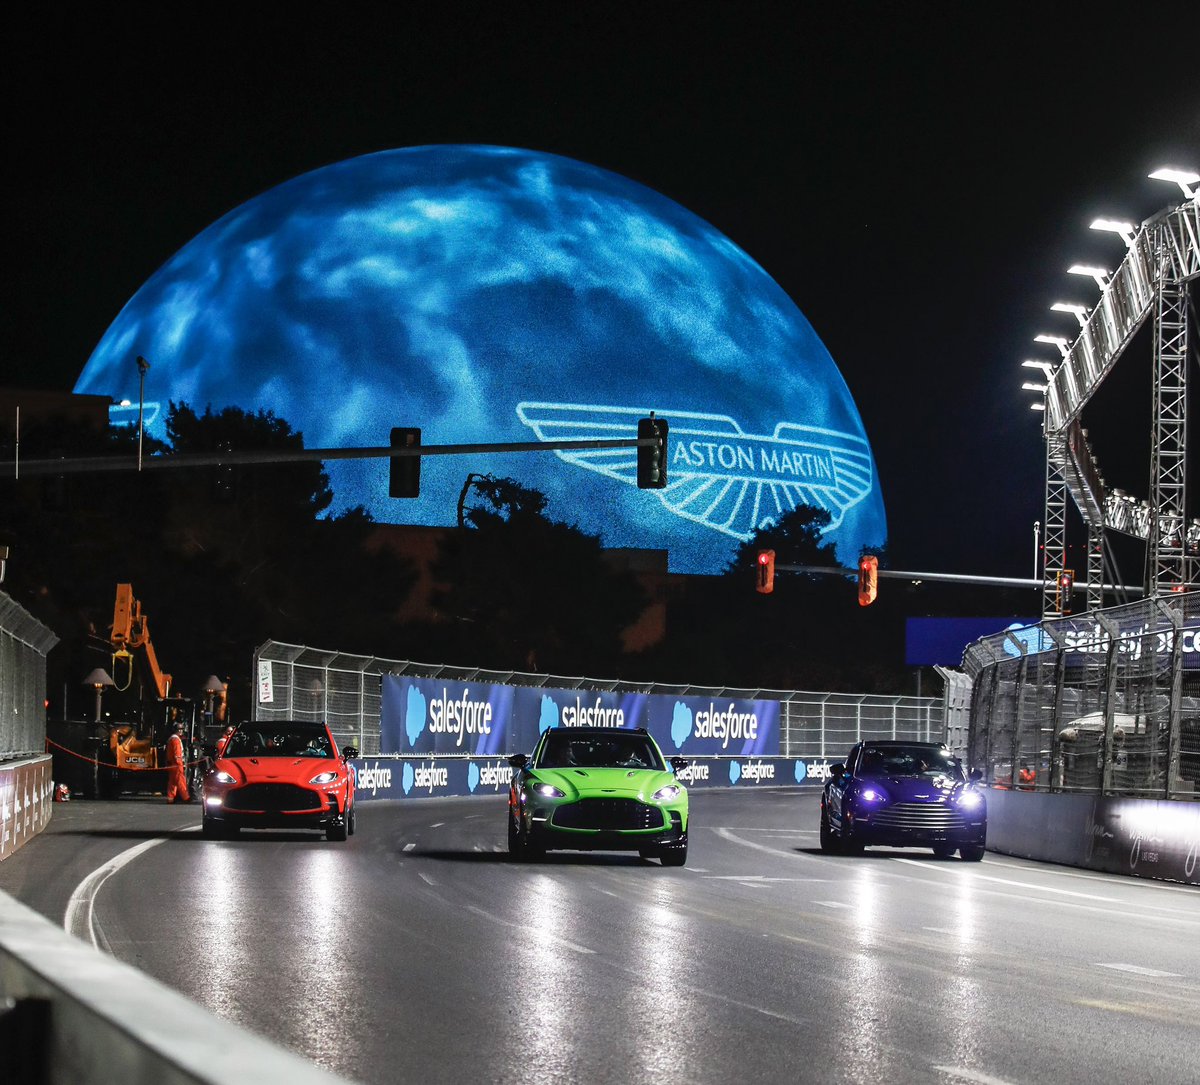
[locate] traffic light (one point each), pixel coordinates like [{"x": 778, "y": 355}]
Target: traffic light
[
  {"x": 765, "y": 570},
  {"x": 868, "y": 579},
  {"x": 652, "y": 459},
  {"x": 404, "y": 478},
  {"x": 1066, "y": 587}
]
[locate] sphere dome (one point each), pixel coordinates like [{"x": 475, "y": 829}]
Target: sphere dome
[{"x": 491, "y": 295}]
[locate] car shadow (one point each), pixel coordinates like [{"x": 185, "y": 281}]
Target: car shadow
[
  {"x": 879, "y": 853},
  {"x": 550, "y": 859}
]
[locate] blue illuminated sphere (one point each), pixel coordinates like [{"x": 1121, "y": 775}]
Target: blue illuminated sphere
[{"x": 490, "y": 295}]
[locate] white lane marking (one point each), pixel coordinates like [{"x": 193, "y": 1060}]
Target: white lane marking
[
  {"x": 532, "y": 931},
  {"x": 963, "y": 1074},
  {"x": 941, "y": 865},
  {"x": 940, "y": 930},
  {"x": 831, "y": 904},
  {"x": 753, "y": 885},
  {"x": 79, "y": 919},
  {"x": 409, "y": 847},
  {"x": 426, "y": 878},
  {"x": 727, "y": 835},
  {"x": 437, "y": 824},
  {"x": 1141, "y": 970},
  {"x": 1015, "y": 862},
  {"x": 756, "y": 878}
]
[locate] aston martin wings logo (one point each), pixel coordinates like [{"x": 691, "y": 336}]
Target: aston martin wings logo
[{"x": 717, "y": 474}]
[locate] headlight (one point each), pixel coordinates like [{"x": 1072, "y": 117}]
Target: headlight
[
  {"x": 970, "y": 800},
  {"x": 550, "y": 791},
  {"x": 223, "y": 778},
  {"x": 872, "y": 794},
  {"x": 324, "y": 778},
  {"x": 668, "y": 792}
]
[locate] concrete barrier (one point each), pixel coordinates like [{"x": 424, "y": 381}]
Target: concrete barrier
[
  {"x": 1146, "y": 838},
  {"x": 26, "y": 799},
  {"x": 70, "y": 1014}
]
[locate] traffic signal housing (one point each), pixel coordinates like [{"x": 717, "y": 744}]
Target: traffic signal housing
[
  {"x": 1066, "y": 588},
  {"x": 765, "y": 572},
  {"x": 652, "y": 459},
  {"x": 868, "y": 579},
  {"x": 404, "y": 476}
]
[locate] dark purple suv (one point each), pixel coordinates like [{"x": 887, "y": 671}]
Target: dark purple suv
[{"x": 904, "y": 794}]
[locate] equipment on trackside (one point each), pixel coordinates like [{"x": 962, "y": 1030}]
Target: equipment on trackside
[{"x": 123, "y": 750}]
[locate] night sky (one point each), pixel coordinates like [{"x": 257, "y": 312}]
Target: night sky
[{"x": 916, "y": 177}]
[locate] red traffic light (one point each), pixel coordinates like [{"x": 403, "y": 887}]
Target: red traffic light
[
  {"x": 868, "y": 579},
  {"x": 765, "y": 570}
]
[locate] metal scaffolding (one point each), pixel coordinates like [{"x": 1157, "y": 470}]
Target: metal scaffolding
[{"x": 1153, "y": 281}]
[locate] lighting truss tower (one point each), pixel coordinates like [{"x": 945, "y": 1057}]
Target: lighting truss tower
[{"x": 1154, "y": 280}]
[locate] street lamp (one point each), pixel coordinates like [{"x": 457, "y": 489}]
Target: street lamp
[
  {"x": 98, "y": 680},
  {"x": 1183, "y": 178},
  {"x": 142, "y": 365},
  {"x": 212, "y": 687}
]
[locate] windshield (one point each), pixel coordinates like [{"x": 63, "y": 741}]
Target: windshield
[
  {"x": 908, "y": 761},
  {"x": 280, "y": 740},
  {"x": 567, "y": 750}
]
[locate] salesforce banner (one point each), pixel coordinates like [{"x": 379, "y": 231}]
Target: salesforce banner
[
  {"x": 444, "y": 777},
  {"x": 432, "y": 716}
]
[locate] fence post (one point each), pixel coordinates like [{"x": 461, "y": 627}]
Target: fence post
[{"x": 1110, "y": 691}]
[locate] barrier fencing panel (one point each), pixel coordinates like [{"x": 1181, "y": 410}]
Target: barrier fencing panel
[
  {"x": 297, "y": 682},
  {"x": 24, "y": 642},
  {"x": 1106, "y": 702}
]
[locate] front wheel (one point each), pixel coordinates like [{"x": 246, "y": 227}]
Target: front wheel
[
  {"x": 829, "y": 842},
  {"x": 676, "y": 856},
  {"x": 943, "y": 851},
  {"x": 971, "y": 853},
  {"x": 336, "y": 831},
  {"x": 350, "y": 822}
]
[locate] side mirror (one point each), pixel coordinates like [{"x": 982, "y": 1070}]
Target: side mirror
[
  {"x": 518, "y": 760},
  {"x": 350, "y": 753},
  {"x": 976, "y": 775},
  {"x": 837, "y": 771},
  {"x": 678, "y": 763}
]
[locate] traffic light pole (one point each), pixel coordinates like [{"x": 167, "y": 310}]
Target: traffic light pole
[
  {"x": 955, "y": 578},
  {"x": 94, "y": 464}
]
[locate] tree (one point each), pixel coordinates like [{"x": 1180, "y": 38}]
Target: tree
[{"x": 521, "y": 591}]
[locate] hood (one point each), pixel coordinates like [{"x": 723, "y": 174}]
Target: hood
[
  {"x": 917, "y": 788},
  {"x": 623, "y": 783},
  {"x": 276, "y": 769}
]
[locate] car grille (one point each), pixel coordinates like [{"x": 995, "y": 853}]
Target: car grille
[
  {"x": 608, "y": 814},
  {"x": 918, "y": 815},
  {"x": 275, "y": 797}
]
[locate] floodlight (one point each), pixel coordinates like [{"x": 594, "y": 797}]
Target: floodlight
[
  {"x": 1033, "y": 386},
  {"x": 1080, "y": 311},
  {"x": 1038, "y": 406},
  {"x": 1057, "y": 340},
  {"x": 1033, "y": 363},
  {"x": 1183, "y": 178},
  {"x": 1112, "y": 226},
  {"x": 1100, "y": 274}
]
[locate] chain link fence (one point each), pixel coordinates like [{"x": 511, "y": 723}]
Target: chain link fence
[
  {"x": 305, "y": 683},
  {"x": 1106, "y": 702},
  {"x": 24, "y": 642}
]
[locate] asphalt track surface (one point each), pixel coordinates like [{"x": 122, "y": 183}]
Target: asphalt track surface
[{"x": 418, "y": 952}]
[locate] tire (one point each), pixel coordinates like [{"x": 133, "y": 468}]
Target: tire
[
  {"x": 944, "y": 851},
  {"x": 848, "y": 845},
  {"x": 210, "y": 829},
  {"x": 336, "y": 831},
  {"x": 829, "y": 840},
  {"x": 971, "y": 853},
  {"x": 516, "y": 842},
  {"x": 350, "y": 821},
  {"x": 676, "y": 856}
]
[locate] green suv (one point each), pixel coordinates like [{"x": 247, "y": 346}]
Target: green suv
[{"x": 597, "y": 789}]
